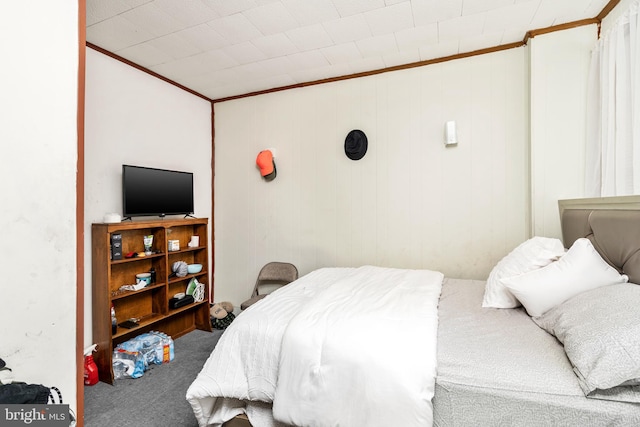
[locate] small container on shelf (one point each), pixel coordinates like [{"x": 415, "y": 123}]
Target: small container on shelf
[
  {"x": 144, "y": 278},
  {"x": 194, "y": 242}
]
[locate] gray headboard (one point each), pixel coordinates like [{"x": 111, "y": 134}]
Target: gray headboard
[{"x": 613, "y": 226}]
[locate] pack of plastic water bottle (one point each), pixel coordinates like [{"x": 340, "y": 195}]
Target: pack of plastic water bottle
[{"x": 131, "y": 358}]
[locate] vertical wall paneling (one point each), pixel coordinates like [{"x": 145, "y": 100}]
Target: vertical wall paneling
[
  {"x": 559, "y": 71},
  {"x": 410, "y": 202}
]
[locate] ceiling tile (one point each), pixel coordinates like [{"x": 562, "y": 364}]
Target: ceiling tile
[
  {"x": 275, "y": 45},
  {"x": 389, "y": 19},
  {"x": 430, "y": 11},
  {"x": 351, "y": 7},
  {"x": 116, "y": 33},
  {"x": 98, "y": 11},
  {"x": 308, "y": 12},
  {"x": 130, "y": 4},
  {"x": 310, "y": 37},
  {"x": 203, "y": 36},
  {"x": 219, "y": 60},
  {"x": 227, "y": 7},
  {"x": 244, "y": 53},
  {"x": 377, "y": 46},
  {"x": 470, "y": 7},
  {"x": 271, "y": 18},
  {"x": 416, "y": 37},
  {"x": 263, "y": 2},
  {"x": 188, "y": 12},
  {"x": 341, "y": 53},
  {"x": 174, "y": 45},
  {"x": 549, "y": 11},
  {"x": 235, "y": 28},
  {"x": 310, "y": 59},
  {"x": 266, "y": 67},
  {"x": 347, "y": 29},
  {"x": 541, "y": 21},
  {"x": 209, "y": 62},
  {"x": 463, "y": 26},
  {"x": 595, "y": 7},
  {"x": 152, "y": 19},
  {"x": 516, "y": 16}
]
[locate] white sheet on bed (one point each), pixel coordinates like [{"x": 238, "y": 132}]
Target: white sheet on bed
[
  {"x": 391, "y": 309},
  {"x": 363, "y": 352}
]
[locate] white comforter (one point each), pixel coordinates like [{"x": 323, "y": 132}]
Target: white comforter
[{"x": 337, "y": 347}]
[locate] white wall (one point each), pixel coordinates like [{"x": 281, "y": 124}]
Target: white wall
[
  {"x": 38, "y": 82},
  {"x": 410, "y": 202},
  {"x": 559, "y": 66},
  {"x": 134, "y": 118}
]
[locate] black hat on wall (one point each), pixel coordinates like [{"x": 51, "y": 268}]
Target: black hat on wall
[{"x": 355, "y": 144}]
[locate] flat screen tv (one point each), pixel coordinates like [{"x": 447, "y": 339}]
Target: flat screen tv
[{"x": 156, "y": 192}]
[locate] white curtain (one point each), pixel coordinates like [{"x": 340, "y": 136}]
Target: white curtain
[{"x": 613, "y": 108}]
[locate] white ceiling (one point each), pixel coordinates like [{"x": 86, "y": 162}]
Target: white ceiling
[{"x": 222, "y": 48}]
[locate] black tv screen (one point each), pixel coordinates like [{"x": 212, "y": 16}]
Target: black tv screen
[{"x": 156, "y": 192}]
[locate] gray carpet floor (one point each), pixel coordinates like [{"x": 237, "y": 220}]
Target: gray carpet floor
[{"x": 156, "y": 399}]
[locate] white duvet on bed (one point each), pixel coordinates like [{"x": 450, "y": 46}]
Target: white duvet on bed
[
  {"x": 354, "y": 346},
  {"x": 363, "y": 352}
]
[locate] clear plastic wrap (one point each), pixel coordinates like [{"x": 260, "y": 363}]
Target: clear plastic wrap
[{"x": 131, "y": 358}]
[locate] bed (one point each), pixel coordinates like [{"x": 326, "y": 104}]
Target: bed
[{"x": 430, "y": 350}]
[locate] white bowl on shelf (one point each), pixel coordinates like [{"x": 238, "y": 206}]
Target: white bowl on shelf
[{"x": 194, "y": 268}]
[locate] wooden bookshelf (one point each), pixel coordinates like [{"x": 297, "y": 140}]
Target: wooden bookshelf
[{"x": 150, "y": 305}]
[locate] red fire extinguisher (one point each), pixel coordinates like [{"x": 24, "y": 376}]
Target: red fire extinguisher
[{"x": 90, "y": 368}]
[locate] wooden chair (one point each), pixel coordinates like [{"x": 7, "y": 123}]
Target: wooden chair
[{"x": 273, "y": 273}]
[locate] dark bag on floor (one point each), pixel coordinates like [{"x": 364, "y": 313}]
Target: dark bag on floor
[{"x": 19, "y": 393}]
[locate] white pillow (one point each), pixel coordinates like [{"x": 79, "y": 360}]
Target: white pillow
[
  {"x": 531, "y": 255},
  {"x": 579, "y": 270}
]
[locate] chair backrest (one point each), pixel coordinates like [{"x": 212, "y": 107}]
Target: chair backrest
[{"x": 275, "y": 273}]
